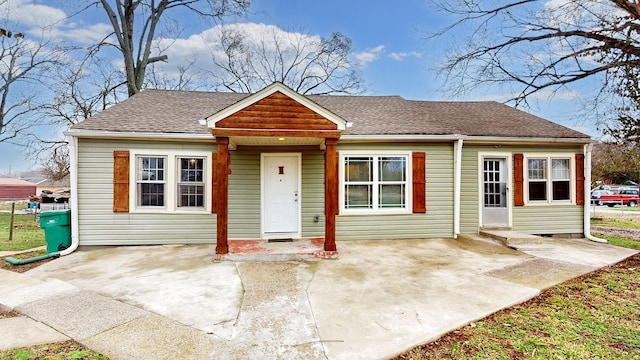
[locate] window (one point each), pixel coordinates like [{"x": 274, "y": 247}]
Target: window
[
  {"x": 373, "y": 183},
  {"x": 170, "y": 181},
  {"x": 151, "y": 181},
  {"x": 191, "y": 182},
  {"x": 549, "y": 179},
  {"x": 560, "y": 179},
  {"x": 537, "y": 179}
]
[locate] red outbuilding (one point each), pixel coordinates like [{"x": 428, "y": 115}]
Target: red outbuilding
[{"x": 16, "y": 189}]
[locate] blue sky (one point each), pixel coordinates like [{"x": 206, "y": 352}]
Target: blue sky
[{"x": 389, "y": 43}]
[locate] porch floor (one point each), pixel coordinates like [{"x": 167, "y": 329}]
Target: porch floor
[{"x": 263, "y": 250}]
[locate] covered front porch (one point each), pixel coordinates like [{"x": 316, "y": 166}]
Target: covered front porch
[{"x": 277, "y": 131}]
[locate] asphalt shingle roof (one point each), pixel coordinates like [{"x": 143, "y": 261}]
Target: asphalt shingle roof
[{"x": 166, "y": 111}]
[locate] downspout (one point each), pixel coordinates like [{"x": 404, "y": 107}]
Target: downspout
[
  {"x": 73, "y": 200},
  {"x": 587, "y": 195},
  {"x": 456, "y": 187}
]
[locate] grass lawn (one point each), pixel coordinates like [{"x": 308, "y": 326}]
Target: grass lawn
[
  {"x": 624, "y": 222},
  {"x": 595, "y": 316},
  {"x": 27, "y": 232},
  {"x": 58, "y": 351},
  {"x": 591, "y": 317}
]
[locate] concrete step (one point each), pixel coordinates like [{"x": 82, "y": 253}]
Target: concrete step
[
  {"x": 512, "y": 238},
  {"x": 264, "y": 250}
]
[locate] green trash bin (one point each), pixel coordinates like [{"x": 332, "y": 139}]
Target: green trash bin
[{"x": 57, "y": 229}]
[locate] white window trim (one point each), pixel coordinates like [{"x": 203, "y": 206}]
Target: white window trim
[
  {"x": 386, "y": 211},
  {"x": 171, "y": 181},
  {"x": 550, "y": 157}
]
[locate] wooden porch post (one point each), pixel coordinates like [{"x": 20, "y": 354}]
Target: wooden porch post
[
  {"x": 221, "y": 194},
  {"x": 330, "y": 194}
]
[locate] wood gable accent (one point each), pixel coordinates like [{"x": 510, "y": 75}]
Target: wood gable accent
[
  {"x": 276, "y": 112},
  {"x": 121, "y": 181},
  {"x": 579, "y": 179}
]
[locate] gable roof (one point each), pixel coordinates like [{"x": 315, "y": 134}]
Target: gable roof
[
  {"x": 15, "y": 182},
  {"x": 271, "y": 90},
  {"x": 180, "y": 112}
]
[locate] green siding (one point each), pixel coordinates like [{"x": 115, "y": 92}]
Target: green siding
[
  {"x": 548, "y": 220},
  {"x": 312, "y": 193},
  {"x": 438, "y": 220},
  {"x": 469, "y": 192},
  {"x": 534, "y": 219},
  {"x": 244, "y": 193},
  {"x": 98, "y": 225}
]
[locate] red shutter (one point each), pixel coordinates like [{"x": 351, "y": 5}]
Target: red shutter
[
  {"x": 121, "y": 181},
  {"x": 579, "y": 179},
  {"x": 418, "y": 160},
  {"x": 214, "y": 182},
  {"x": 518, "y": 179}
]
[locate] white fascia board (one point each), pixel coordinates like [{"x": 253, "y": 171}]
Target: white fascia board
[
  {"x": 137, "y": 135},
  {"x": 345, "y": 138},
  {"x": 269, "y": 90},
  {"x": 467, "y": 139},
  {"x": 498, "y": 139}
]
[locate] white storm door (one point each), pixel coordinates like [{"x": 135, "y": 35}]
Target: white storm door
[
  {"x": 281, "y": 195},
  {"x": 495, "y": 196}
]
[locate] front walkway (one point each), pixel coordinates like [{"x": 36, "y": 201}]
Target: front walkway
[{"x": 378, "y": 299}]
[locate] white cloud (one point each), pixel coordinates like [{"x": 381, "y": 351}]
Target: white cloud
[
  {"x": 32, "y": 15},
  {"x": 399, "y": 56},
  {"x": 84, "y": 34},
  {"x": 50, "y": 23},
  {"x": 365, "y": 57}
]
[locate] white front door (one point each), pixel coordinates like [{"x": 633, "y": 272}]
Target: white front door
[
  {"x": 281, "y": 195},
  {"x": 495, "y": 196}
]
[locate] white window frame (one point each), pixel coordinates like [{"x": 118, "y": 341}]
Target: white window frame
[
  {"x": 408, "y": 209},
  {"x": 171, "y": 181},
  {"x": 549, "y": 157},
  {"x": 150, "y": 181},
  {"x": 202, "y": 183}
]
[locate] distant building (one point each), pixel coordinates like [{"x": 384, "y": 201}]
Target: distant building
[{"x": 16, "y": 189}]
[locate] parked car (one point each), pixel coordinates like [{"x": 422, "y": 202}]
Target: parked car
[
  {"x": 627, "y": 197},
  {"x": 595, "y": 195}
]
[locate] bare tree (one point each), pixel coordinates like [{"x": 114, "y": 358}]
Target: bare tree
[
  {"x": 307, "y": 64},
  {"x": 615, "y": 163},
  {"x": 532, "y": 46},
  {"x": 134, "y": 40},
  {"x": 24, "y": 67},
  {"x": 182, "y": 80}
]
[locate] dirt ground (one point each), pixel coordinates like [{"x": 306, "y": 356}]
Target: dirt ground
[{"x": 26, "y": 267}]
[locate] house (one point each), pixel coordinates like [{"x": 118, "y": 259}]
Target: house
[
  {"x": 45, "y": 184},
  {"x": 16, "y": 189},
  {"x": 168, "y": 167}
]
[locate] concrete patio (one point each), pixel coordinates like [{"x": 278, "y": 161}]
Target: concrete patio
[{"x": 377, "y": 300}]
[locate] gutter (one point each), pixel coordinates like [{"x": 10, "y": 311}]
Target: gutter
[
  {"x": 457, "y": 187},
  {"x": 587, "y": 196},
  {"x": 496, "y": 140},
  {"x": 73, "y": 200},
  {"x": 138, "y": 135}
]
